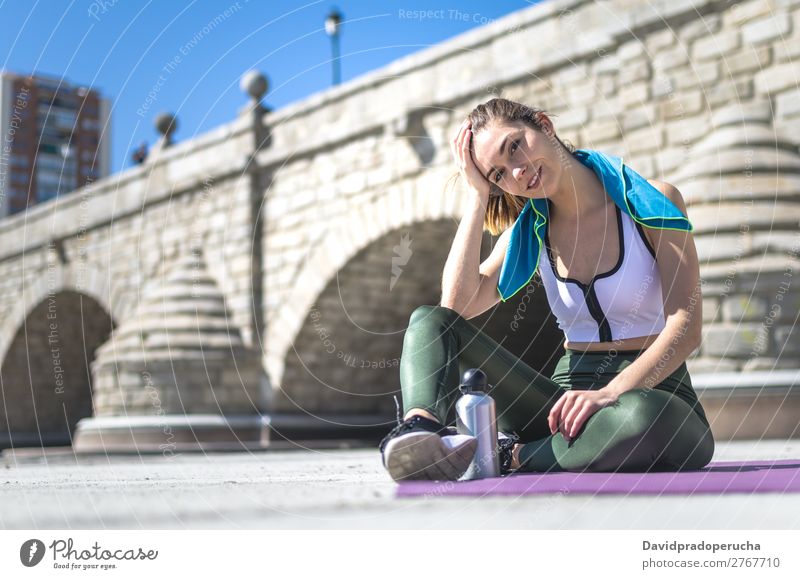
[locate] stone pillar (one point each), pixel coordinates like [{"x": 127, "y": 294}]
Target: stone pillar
[
  {"x": 176, "y": 374},
  {"x": 741, "y": 184}
]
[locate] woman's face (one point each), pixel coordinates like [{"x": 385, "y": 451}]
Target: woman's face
[{"x": 528, "y": 164}]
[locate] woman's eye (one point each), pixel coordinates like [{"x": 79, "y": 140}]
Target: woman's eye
[{"x": 511, "y": 151}]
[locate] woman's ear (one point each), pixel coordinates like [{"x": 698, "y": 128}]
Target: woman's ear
[{"x": 545, "y": 123}]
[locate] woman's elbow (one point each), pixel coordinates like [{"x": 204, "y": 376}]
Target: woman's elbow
[
  {"x": 692, "y": 336},
  {"x": 456, "y": 306},
  {"x": 684, "y": 331},
  {"x": 697, "y": 339}
]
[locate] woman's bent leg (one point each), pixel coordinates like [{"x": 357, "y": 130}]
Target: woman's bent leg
[
  {"x": 645, "y": 430},
  {"x": 440, "y": 345}
]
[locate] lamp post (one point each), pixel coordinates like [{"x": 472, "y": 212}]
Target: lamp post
[{"x": 333, "y": 23}]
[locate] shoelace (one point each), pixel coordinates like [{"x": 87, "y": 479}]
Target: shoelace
[
  {"x": 408, "y": 425},
  {"x": 397, "y": 430},
  {"x": 398, "y": 427},
  {"x": 397, "y": 405}
]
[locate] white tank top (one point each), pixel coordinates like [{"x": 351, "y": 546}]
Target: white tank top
[{"x": 624, "y": 302}]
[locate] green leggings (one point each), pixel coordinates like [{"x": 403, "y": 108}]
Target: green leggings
[{"x": 659, "y": 429}]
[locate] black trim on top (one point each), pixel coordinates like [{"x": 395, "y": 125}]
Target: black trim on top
[
  {"x": 610, "y": 272},
  {"x": 644, "y": 238},
  {"x": 592, "y": 302},
  {"x": 597, "y": 313}
]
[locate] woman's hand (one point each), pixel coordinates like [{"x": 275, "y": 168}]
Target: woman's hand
[
  {"x": 466, "y": 164},
  {"x": 575, "y": 407}
]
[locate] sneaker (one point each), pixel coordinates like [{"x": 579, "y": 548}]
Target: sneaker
[
  {"x": 505, "y": 448},
  {"x": 422, "y": 449}
]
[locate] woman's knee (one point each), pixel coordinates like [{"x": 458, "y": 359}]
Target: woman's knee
[
  {"x": 660, "y": 418},
  {"x": 433, "y": 315},
  {"x": 638, "y": 415},
  {"x": 650, "y": 406},
  {"x": 641, "y": 409}
]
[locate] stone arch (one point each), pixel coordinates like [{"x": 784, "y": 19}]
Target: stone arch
[
  {"x": 403, "y": 206},
  {"x": 345, "y": 357},
  {"x": 45, "y": 374},
  {"x": 80, "y": 277}
]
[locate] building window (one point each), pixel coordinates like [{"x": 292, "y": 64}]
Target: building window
[
  {"x": 19, "y": 161},
  {"x": 48, "y": 148},
  {"x": 90, "y": 124},
  {"x": 19, "y": 178}
]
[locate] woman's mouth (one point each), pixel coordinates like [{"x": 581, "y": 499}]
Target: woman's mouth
[{"x": 533, "y": 183}]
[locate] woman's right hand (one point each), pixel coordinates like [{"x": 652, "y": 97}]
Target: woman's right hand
[{"x": 466, "y": 164}]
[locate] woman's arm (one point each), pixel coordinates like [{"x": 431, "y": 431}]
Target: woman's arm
[
  {"x": 461, "y": 277},
  {"x": 679, "y": 268},
  {"x": 466, "y": 288}
]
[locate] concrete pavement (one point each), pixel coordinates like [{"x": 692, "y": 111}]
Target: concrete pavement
[{"x": 335, "y": 488}]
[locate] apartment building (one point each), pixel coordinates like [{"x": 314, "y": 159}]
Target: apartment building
[{"x": 56, "y": 138}]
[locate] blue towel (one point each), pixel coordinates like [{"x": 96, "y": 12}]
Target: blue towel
[{"x": 629, "y": 190}]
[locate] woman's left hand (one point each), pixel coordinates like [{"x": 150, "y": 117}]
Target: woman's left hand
[{"x": 575, "y": 407}]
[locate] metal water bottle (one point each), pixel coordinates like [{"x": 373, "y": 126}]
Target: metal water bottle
[{"x": 476, "y": 415}]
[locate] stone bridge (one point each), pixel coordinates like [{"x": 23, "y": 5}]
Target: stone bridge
[{"x": 255, "y": 282}]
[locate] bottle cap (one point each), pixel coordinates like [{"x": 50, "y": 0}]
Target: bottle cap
[{"x": 474, "y": 380}]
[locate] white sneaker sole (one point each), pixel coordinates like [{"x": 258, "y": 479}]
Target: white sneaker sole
[{"x": 428, "y": 456}]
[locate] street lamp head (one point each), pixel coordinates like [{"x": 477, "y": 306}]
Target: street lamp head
[{"x": 333, "y": 22}]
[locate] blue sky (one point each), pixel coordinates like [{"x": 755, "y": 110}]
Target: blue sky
[{"x": 169, "y": 50}]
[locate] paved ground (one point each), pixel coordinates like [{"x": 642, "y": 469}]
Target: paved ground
[{"x": 340, "y": 488}]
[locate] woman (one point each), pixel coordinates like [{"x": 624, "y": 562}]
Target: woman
[{"x": 620, "y": 271}]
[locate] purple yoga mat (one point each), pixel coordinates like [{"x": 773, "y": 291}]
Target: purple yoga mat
[{"x": 750, "y": 476}]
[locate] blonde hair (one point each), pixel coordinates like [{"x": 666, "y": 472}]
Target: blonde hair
[{"x": 504, "y": 208}]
